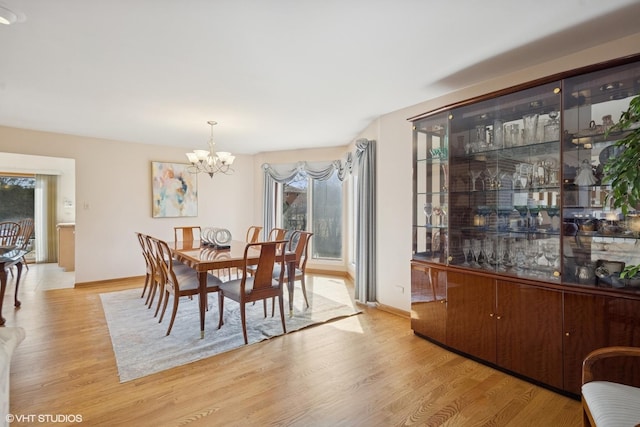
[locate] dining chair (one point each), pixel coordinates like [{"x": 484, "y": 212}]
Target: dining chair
[
  {"x": 187, "y": 234},
  {"x": 26, "y": 231},
  {"x": 260, "y": 286},
  {"x": 147, "y": 261},
  {"x": 253, "y": 234},
  {"x": 298, "y": 243},
  {"x": 9, "y": 232},
  {"x": 180, "y": 281}
]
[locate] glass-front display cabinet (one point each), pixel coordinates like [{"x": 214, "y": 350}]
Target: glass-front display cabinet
[
  {"x": 512, "y": 184},
  {"x": 598, "y": 240},
  {"x": 431, "y": 174},
  {"x": 505, "y": 184}
]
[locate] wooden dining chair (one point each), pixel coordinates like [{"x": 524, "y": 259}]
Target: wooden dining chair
[
  {"x": 24, "y": 236},
  {"x": 180, "y": 282},
  {"x": 253, "y": 234},
  {"x": 261, "y": 286},
  {"x": 9, "y": 232},
  {"x": 187, "y": 234},
  {"x": 298, "y": 243}
]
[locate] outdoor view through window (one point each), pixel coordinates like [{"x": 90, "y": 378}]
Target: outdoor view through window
[{"x": 316, "y": 206}]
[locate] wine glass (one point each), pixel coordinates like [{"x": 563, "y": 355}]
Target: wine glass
[
  {"x": 492, "y": 173},
  {"x": 534, "y": 211},
  {"x": 553, "y": 212},
  {"x": 476, "y": 249},
  {"x": 503, "y": 218},
  {"x": 489, "y": 254},
  {"x": 437, "y": 211},
  {"x": 551, "y": 252},
  {"x": 466, "y": 249},
  {"x": 523, "y": 210},
  {"x": 474, "y": 176},
  {"x": 444, "y": 209},
  {"x": 428, "y": 211}
]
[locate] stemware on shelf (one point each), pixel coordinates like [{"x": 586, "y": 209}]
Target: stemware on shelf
[
  {"x": 466, "y": 250},
  {"x": 428, "y": 211}
]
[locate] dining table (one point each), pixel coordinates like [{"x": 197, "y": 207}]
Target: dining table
[
  {"x": 10, "y": 256},
  {"x": 203, "y": 258}
]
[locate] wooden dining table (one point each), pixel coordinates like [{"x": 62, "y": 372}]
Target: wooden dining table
[
  {"x": 203, "y": 258},
  {"x": 9, "y": 256}
]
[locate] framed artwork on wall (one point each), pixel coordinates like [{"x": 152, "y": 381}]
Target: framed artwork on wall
[{"x": 174, "y": 190}]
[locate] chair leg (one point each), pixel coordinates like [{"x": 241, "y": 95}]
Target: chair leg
[
  {"x": 304, "y": 289},
  {"x": 243, "y": 316},
  {"x": 152, "y": 293},
  {"x": 173, "y": 314},
  {"x": 161, "y": 292},
  {"x": 264, "y": 306},
  {"x": 220, "y": 308},
  {"x": 24, "y": 262},
  {"x": 284, "y": 328},
  {"x": 146, "y": 284},
  {"x": 164, "y": 308}
]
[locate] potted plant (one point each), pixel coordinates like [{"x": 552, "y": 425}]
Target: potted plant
[{"x": 623, "y": 171}]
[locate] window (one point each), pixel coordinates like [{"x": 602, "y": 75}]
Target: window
[{"x": 315, "y": 205}]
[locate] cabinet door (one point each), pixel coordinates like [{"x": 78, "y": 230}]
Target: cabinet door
[
  {"x": 470, "y": 315},
  {"x": 593, "y": 322},
  {"x": 428, "y": 298},
  {"x": 584, "y": 331},
  {"x": 529, "y": 331}
]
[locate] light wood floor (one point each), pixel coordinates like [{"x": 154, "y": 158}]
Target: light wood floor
[{"x": 366, "y": 370}]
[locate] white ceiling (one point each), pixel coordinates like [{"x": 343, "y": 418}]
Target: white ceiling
[{"x": 275, "y": 74}]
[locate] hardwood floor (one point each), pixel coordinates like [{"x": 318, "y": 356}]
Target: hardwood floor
[{"x": 366, "y": 370}]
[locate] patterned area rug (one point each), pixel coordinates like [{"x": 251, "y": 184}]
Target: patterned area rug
[{"x": 141, "y": 347}]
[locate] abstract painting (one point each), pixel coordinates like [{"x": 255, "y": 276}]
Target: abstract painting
[{"x": 175, "y": 190}]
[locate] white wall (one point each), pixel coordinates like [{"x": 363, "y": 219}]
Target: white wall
[{"x": 113, "y": 197}]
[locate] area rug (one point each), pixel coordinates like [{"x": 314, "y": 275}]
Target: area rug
[{"x": 141, "y": 347}]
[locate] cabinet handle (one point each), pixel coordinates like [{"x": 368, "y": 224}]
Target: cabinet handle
[
  {"x": 566, "y": 334},
  {"x": 491, "y": 314},
  {"x": 498, "y": 317},
  {"x": 443, "y": 301}
]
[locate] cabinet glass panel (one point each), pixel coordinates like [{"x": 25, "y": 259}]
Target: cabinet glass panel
[
  {"x": 598, "y": 241},
  {"x": 504, "y": 195},
  {"x": 430, "y": 210}
]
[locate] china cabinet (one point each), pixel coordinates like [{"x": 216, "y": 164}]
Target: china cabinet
[{"x": 517, "y": 253}]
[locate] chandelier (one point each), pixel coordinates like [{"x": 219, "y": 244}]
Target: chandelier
[{"x": 210, "y": 162}]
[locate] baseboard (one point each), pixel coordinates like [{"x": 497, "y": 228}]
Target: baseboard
[
  {"x": 393, "y": 310},
  {"x": 123, "y": 281},
  {"x": 326, "y": 272}
]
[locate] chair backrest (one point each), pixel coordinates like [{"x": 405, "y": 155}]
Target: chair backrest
[
  {"x": 142, "y": 239},
  {"x": 269, "y": 255},
  {"x": 164, "y": 262},
  {"x": 9, "y": 232},
  {"x": 277, "y": 234},
  {"x": 299, "y": 242},
  {"x": 26, "y": 231},
  {"x": 253, "y": 233},
  {"x": 187, "y": 234}
]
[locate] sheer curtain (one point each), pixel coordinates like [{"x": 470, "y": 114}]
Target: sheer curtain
[
  {"x": 45, "y": 196},
  {"x": 365, "y": 168}
]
